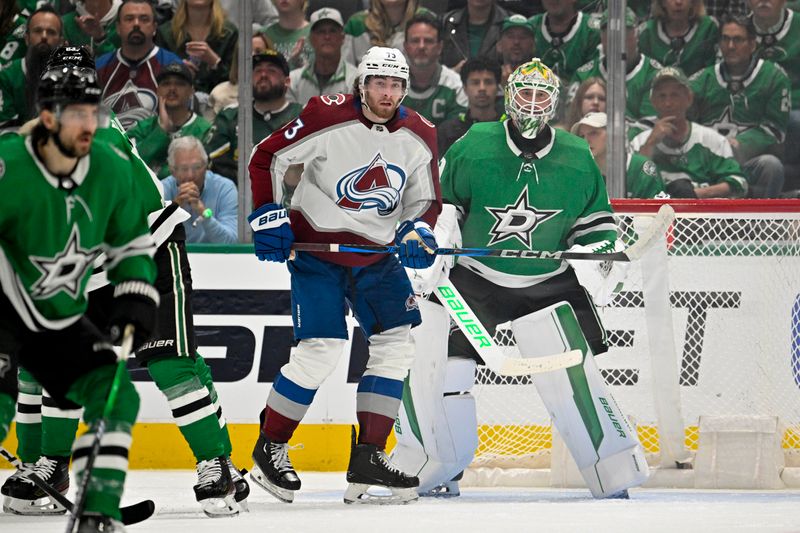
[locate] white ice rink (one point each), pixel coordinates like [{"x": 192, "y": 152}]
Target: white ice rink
[{"x": 318, "y": 507}]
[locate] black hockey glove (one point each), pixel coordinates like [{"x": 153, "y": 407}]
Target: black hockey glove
[{"x": 135, "y": 302}]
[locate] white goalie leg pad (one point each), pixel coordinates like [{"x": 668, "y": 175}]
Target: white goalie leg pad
[
  {"x": 313, "y": 360},
  {"x": 436, "y": 428},
  {"x": 597, "y": 434}
]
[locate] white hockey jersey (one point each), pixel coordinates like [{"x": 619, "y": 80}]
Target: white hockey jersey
[{"x": 359, "y": 179}]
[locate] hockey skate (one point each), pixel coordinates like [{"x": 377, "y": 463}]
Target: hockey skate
[
  {"x": 215, "y": 490},
  {"x": 21, "y": 496},
  {"x": 370, "y": 467},
  {"x": 97, "y": 523},
  {"x": 448, "y": 489},
  {"x": 242, "y": 487},
  {"x": 273, "y": 471}
]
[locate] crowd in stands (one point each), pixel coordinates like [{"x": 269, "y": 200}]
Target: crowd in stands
[{"x": 712, "y": 88}]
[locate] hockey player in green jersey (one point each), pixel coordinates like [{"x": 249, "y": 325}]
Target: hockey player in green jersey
[
  {"x": 80, "y": 201},
  {"x": 45, "y": 433},
  {"x": 679, "y": 34},
  {"x": 518, "y": 185},
  {"x": 746, "y": 100}
]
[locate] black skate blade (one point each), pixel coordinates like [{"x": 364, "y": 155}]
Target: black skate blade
[
  {"x": 131, "y": 514},
  {"x": 258, "y": 477}
]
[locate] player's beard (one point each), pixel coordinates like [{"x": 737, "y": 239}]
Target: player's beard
[
  {"x": 381, "y": 112},
  {"x": 70, "y": 148}
]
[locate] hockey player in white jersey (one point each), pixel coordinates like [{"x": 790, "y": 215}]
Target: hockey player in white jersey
[
  {"x": 361, "y": 169},
  {"x": 520, "y": 184}
]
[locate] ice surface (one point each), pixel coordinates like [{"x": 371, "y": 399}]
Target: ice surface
[{"x": 318, "y": 507}]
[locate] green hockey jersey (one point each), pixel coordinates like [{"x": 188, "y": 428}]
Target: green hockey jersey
[
  {"x": 782, "y": 46},
  {"x": 643, "y": 178},
  {"x": 692, "y": 52},
  {"x": 12, "y": 42},
  {"x": 49, "y": 241},
  {"x": 565, "y": 54},
  {"x": 443, "y": 100},
  {"x": 754, "y": 110},
  {"x": 550, "y": 201},
  {"x": 152, "y": 141},
  {"x": 76, "y": 37},
  {"x": 14, "y": 110},
  {"x": 704, "y": 159},
  {"x": 638, "y": 109}
]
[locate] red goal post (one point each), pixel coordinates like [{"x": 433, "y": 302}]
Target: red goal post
[{"x": 733, "y": 315}]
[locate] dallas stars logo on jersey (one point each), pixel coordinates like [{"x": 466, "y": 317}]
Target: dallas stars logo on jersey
[
  {"x": 65, "y": 271},
  {"x": 517, "y": 220}
]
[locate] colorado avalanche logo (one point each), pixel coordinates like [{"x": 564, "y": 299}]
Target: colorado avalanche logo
[
  {"x": 332, "y": 99},
  {"x": 375, "y": 186}
]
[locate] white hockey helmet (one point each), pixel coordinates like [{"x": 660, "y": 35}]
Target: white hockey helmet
[
  {"x": 382, "y": 61},
  {"x": 531, "y": 112}
]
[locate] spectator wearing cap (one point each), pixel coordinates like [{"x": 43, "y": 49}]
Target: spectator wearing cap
[
  {"x": 564, "y": 38},
  {"x": 472, "y": 31},
  {"x": 270, "y": 110},
  {"x": 203, "y": 37},
  {"x": 329, "y": 73},
  {"x": 517, "y": 44},
  {"x": 290, "y": 32},
  {"x": 640, "y": 71},
  {"x": 210, "y": 199},
  {"x": 680, "y": 34},
  {"x": 643, "y": 180},
  {"x": 128, "y": 74},
  {"x": 92, "y": 25},
  {"x": 695, "y": 161},
  {"x": 481, "y": 80},
  {"x": 175, "y": 118},
  {"x": 434, "y": 91},
  {"x": 747, "y": 100}
]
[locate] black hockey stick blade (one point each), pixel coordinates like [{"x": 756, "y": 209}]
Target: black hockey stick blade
[{"x": 131, "y": 514}]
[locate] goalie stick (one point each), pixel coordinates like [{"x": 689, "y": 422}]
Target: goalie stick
[
  {"x": 659, "y": 225},
  {"x": 131, "y": 514},
  {"x": 484, "y": 344}
]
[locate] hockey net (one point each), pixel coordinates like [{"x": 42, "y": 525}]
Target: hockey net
[{"x": 734, "y": 276}]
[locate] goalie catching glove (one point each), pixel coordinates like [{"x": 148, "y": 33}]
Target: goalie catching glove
[
  {"x": 272, "y": 233},
  {"x": 136, "y": 303},
  {"x": 602, "y": 279},
  {"x": 416, "y": 244}
]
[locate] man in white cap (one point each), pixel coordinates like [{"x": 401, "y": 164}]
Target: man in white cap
[
  {"x": 329, "y": 73},
  {"x": 643, "y": 180}
]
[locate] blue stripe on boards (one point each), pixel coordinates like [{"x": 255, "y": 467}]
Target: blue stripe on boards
[
  {"x": 383, "y": 386},
  {"x": 291, "y": 390}
]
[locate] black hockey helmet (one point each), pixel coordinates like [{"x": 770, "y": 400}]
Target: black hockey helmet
[
  {"x": 67, "y": 84},
  {"x": 71, "y": 55}
]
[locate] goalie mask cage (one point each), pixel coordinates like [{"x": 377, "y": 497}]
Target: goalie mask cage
[{"x": 733, "y": 269}]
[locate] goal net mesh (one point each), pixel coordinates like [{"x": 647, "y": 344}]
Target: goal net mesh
[{"x": 734, "y": 275}]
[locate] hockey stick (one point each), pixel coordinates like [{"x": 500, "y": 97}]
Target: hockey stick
[
  {"x": 659, "y": 225},
  {"x": 484, "y": 344},
  {"x": 80, "y": 498},
  {"x": 131, "y": 514}
]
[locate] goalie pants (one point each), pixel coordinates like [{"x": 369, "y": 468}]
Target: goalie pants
[
  {"x": 494, "y": 304},
  {"x": 172, "y": 362},
  {"x": 78, "y": 373}
]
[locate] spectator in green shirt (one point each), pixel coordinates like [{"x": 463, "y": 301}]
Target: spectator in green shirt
[
  {"x": 92, "y": 25},
  {"x": 175, "y": 118}
]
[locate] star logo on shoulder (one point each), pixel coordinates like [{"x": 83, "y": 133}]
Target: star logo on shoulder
[
  {"x": 518, "y": 220},
  {"x": 65, "y": 271}
]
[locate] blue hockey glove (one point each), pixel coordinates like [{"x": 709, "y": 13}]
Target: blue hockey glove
[
  {"x": 272, "y": 234},
  {"x": 416, "y": 243}
]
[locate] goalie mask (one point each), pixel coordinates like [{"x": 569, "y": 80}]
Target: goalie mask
[
  {"x": 531, "y": 97},
  {"x": 381, "y": 61}
]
